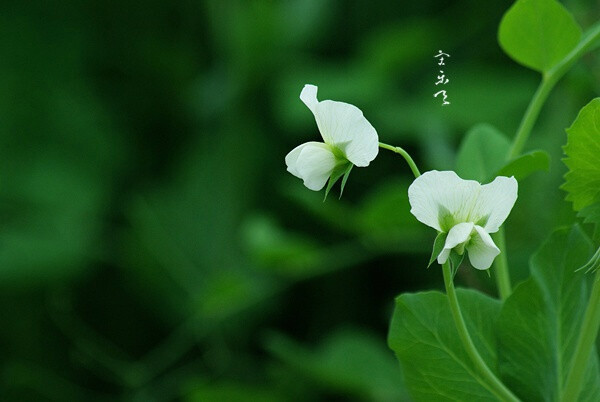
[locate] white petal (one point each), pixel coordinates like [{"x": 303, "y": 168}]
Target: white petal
[
  {"x": 309, "y": 96},
  {"x": 482, "y": 249},
  {"x": 344, "y": 126},
  {"x": 434, "y": 195},
  {"x": 457, "y": 235},
  {"x": 315, "y": 164},
  {"x": 291, "y": 159},
  {"x": 495, "y": 201}
]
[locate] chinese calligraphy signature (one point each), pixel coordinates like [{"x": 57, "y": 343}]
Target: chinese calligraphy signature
[{"x": 441, "y": 78}]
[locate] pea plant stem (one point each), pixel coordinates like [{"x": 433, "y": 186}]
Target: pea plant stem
[
  {"x": 493, "y": 383},
  {"x": 585, "y": 344},
  {"x": 591, "y": 323},
  {"x": 589, "y": 41},
  {"x": 405, "y": 155}
]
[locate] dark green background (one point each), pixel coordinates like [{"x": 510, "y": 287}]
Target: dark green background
[{"x": 153, "y": 246}]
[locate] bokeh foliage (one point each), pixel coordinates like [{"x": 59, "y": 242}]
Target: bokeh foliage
[{"x": 153, "y": 247}]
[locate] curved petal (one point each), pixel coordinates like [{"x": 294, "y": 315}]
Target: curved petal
[
  {"x": 291, "y": 159},
  {"x": 343, "y": 126},
  {"x": 442, "y": 199},
  {"x": 309, "y": 96},
  {"x": 315, "y": 164},
  {"x": 495, "y": 201},
  {"x": 457, "y": 235},
  {"x": 482, "y": 249}
]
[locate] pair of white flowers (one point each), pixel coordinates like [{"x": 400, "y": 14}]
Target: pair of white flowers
[{"x": 463, "y": 209}]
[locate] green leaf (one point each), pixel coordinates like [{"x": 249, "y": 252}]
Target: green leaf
[
  {"x": 582, "y": 181},
  {"x": 351, "y": 361},
  {"x": 591, "y": 213},
  {"x": 338, "y": 172},
  {"x": 425, "y": 340},
  {"x": 538, "y": 33},
  {"x": 482, "y": 153},
  {"x": 524, "y": 165},
  {"x": 438, "y": 246},
  {"x": 539, "y": 323}
]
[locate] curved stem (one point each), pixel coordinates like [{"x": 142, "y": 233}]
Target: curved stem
[
  {"x": 405, "y": 155},
  {"x": 495, "y": 385},
  {"x": 530, "y": 116},
  {"x": 585, "y": 344},
  {"x": 501, "y": 266},
  {"x": 550, "y": 78}
]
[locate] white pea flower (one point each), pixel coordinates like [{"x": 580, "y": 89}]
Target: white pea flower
[
  {"x": 464, "y": 209},
  {"x": 349, "y": 139}
]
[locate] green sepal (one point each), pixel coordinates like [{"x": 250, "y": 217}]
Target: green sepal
[
  {"x": 345, "y": 178},
  {"x": 455, "y": 261},
  {"x": 343, "y": 169},
  {"x": 438, "y": 246},
  {"x": 525, "y": 165}
]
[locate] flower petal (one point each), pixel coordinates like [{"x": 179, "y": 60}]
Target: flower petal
[
  {"x": 482, "y": 249},
  {"x": 315, "y": 164},
  {"x": 344, "y": 126},
  {"x": 309, "y": 96},
  {"x": 494, "y": 203},
  {"x": 291, "y": 159},
  {"x": 442, "y": 199},
  {"x": 459, "y": 234}
]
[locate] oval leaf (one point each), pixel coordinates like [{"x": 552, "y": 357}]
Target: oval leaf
[
  {"x": 482, "y": 153},
  {"x": 525, "y": 165},
  {"x": 425, "y": 340},
  {"x": 538, "y": 33}
]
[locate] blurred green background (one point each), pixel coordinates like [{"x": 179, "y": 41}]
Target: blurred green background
[{"x": 153, "y": 246}]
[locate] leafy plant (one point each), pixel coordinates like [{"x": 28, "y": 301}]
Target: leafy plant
[{"x": 536, "y": 342}]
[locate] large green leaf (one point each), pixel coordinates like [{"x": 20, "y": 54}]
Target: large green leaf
[
  {"x": 524, "y": 165},
  {"x": 425, "y": 340},
  {"x": 539, "y": 323},
  {"x": 482, "y": 153},
  {"x": 538, "y": 33},
  {"x": 582, "y": 181}
]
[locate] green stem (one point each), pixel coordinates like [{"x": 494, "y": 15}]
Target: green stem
[
  {"x": 501, "y": 266},
  {"x": 585, "y": 344},
  {"x": 549, "y": 79},
  {"x": 588, "y": 42},
  {"x": 530, "y": 116},
  {"x": 494, "y": 384},
  {"x": 405, "y": 155}
]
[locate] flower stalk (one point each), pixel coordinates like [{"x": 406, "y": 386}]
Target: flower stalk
[
  {"x": 493, "y": 383},
  {"x": 405, "y": 155}
]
